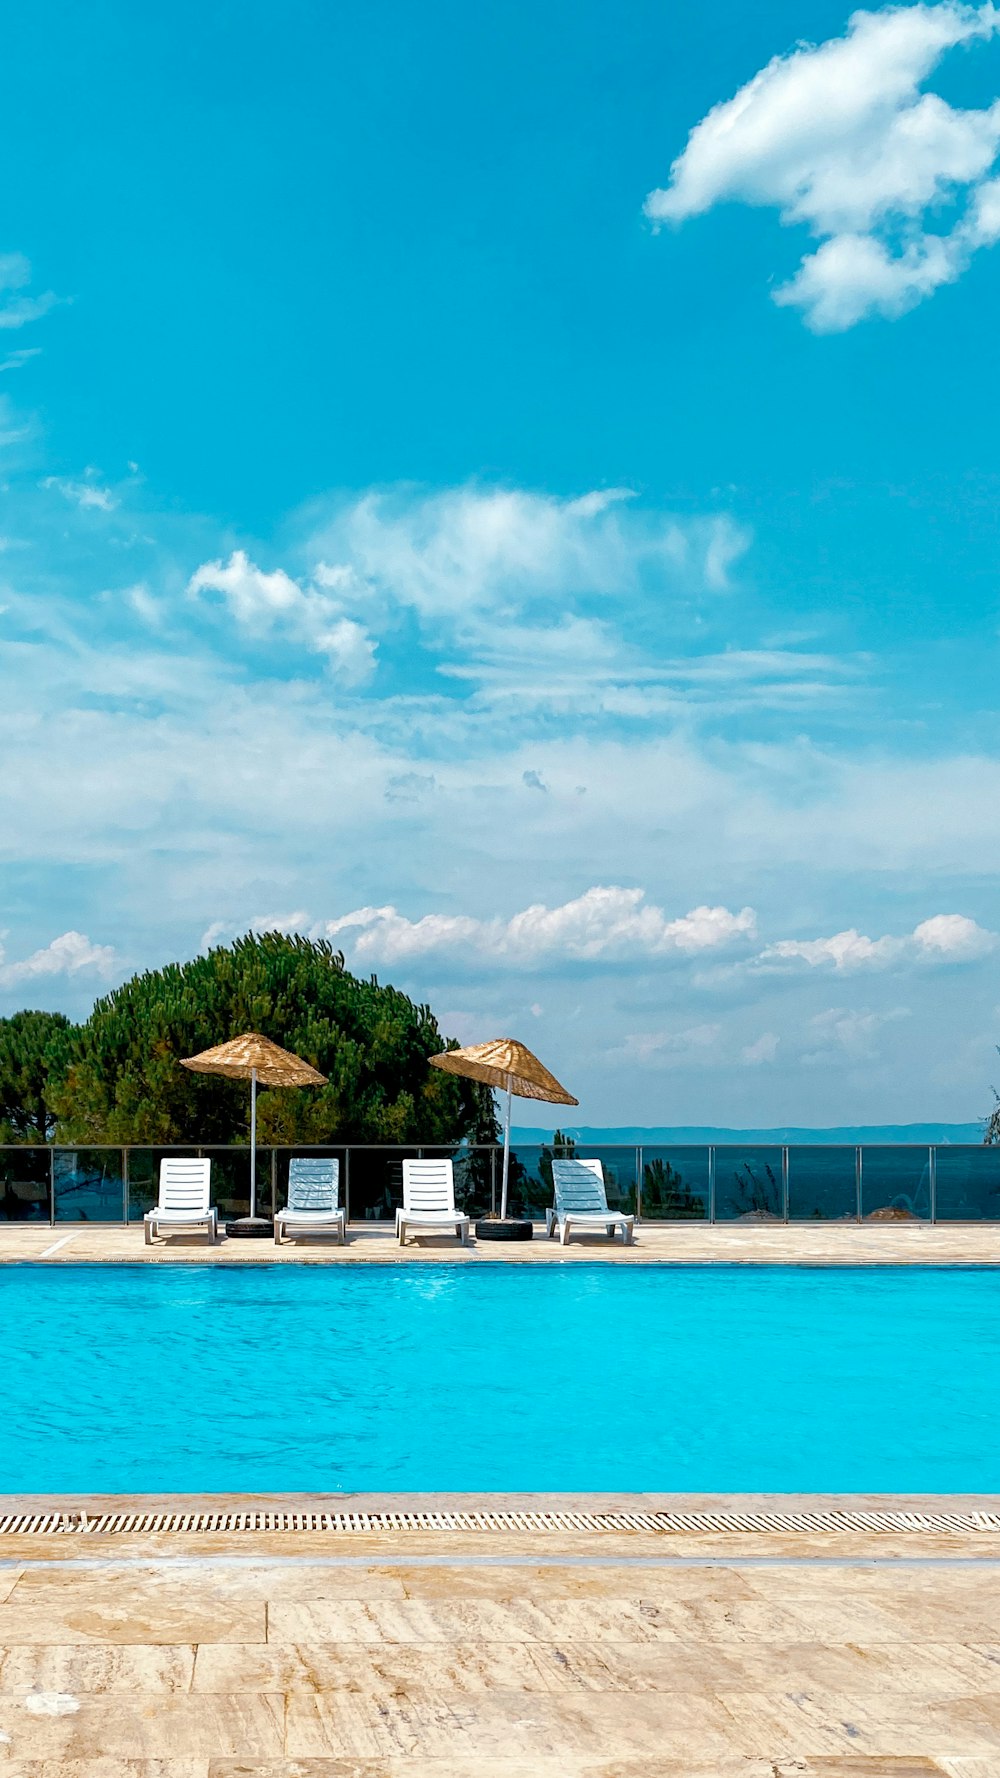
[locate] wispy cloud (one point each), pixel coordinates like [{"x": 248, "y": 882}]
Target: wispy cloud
[
  {"x": 842, "y": 1033},
  {"x": 840, "y": 137},
  {"x": 18, "y": 359},
  {"x": 692, "y": 1045},
  {"x": 469, "y": 555},
  {"x": 87, "y": 494},
  {"x": 16, "y": 310}
]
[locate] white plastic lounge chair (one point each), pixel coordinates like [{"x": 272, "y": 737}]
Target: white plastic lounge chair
[
  {"x": 429, "y": 1200},
  {"x": 313, "y": 1193},
  {"x": 185, "y": 1186},
  {"x": 582, "y": 1202}
]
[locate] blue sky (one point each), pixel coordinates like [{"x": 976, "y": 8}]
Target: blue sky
[{"x": 516, "y": 491}]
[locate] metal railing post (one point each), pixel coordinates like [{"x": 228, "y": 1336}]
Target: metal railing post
[
  {"x": 858, "y": 1181},
  {"x": 784, "y": 1184},
  {"x": 638, "y": 1185},
  {"x": 347, "y": 1185},
  {"x": 711, "y": 1183},
  {"x": 932, "y": 1179},
  {"x": 52, "y": 1187},
  {"x": 274, "y": 1183},
  {"x": 125, "y": 1203}
]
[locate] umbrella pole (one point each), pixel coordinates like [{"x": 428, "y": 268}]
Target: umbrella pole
[
  {"x": 253, "y": 1141},
  {"x": 506, "y": 1152}
]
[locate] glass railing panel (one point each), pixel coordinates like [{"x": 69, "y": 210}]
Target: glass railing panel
[
  {"x": 25, "y": 1184},
  {"x": 967, "y": 1184},
  {"x": 88, "y": 1184},
  {"x": 895, "y": 1184},
  {"x": 675, "y": 1184},
  {"x": 619, "y": 1167},
  {"x": 530, "y": 1189},
  {"x": 748, "y": 1185},
  {"x": 230, "y": 1190},
  {"x": 144, "y": 1178},
  {"x": 472, "y": 1172},
  {"x": 282, "y": 1161},
  {"x": 822, "y": 1184},
  {"x": 376, "y": 1183}
]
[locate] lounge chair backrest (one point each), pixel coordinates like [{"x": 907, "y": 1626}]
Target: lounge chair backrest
[
  {"x": 428, "y": 1185},
  {"x": 185, "y": 1184},
  {"x": 313, "y": 1183},
  {"x": 579, "y": 1186}
]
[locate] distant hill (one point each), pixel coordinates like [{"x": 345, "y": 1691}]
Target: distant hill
[{"x": 681, "y": 1133}]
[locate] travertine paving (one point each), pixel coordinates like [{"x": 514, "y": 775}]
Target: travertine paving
[
  {"x": 665, "y": 1658},
  {"x": 663, "y": 1243}
]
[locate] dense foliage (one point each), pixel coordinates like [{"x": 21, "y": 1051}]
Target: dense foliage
[
  {"x": 34, "y": 1053},
  {"x": 123, "y": 1082}
]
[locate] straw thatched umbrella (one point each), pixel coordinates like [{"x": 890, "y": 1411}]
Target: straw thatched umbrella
[
  {"x": 511, "y": 1066},
  {"x": 255, "y": 1058}
]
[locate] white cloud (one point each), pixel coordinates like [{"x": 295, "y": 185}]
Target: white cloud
[
  {"x": 222, "y": 932},
  {"x": 763, "y": 1049},
  {"x": 69, "y": 955},
  {"x": 944, "y": 938},
  {"x": 464, "y": 548},
  {"x": 469, "y": 553},
  {"x": 263, "y": 603},
  {"x": 85, "y": 494},
  {"x": 602, "y": 924},
  {"x": 840, "y": 137},
  {"x": 953, "y": 938}
]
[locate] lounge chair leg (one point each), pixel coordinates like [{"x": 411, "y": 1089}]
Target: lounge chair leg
[{"x": 148, "y": 1230}]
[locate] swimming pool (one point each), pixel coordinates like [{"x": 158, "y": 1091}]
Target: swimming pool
[{"x": 182, "y": 1378}]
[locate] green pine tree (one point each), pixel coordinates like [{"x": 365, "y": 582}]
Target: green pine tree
[
  {"x": 34, "y": 1054},
  {"x": 124, "y": 1082}
]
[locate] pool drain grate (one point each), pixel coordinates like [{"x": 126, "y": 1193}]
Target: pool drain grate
[{"x": 110, "y": 1524}]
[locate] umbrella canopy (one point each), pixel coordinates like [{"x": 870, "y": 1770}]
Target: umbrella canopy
[
  {"x": 258, "y": 1060},
  {"x": 511, "y": 1066},
  {"x": 242, "y": 1057}
]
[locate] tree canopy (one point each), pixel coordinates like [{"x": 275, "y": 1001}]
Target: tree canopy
[
  {"x": 34, "y": 1053},
  {"x": 123, "y": 1083}
]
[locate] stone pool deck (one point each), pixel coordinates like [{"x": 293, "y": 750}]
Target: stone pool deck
[
  {"x": 555, "y": 1655},
  {"x": 966, "y": 1244}
]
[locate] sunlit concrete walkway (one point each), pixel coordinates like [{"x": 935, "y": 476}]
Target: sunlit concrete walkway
[{"x": 666, "y": 1243}]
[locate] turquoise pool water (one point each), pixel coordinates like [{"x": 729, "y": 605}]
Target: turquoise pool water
[{"x": 491, "y": 1376}]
